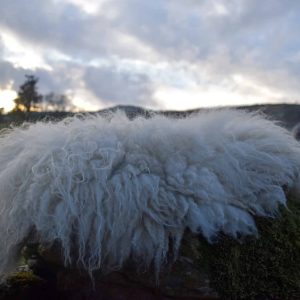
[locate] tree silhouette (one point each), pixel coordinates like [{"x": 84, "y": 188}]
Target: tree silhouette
[
  {"x": 28, "y": 95},
  {"x": 56, "y": 102}
]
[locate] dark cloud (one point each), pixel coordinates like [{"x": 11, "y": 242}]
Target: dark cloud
[
  {"x": 113, "y": 86},
  {"x": 65, "y": 27},
  {"x": 196, "y": 29}
]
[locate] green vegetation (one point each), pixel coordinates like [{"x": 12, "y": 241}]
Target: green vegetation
[
  {"x": 19, "y": 285},
  {"x": 23, "y": 279},
  {"x": 267, "y": 267}
]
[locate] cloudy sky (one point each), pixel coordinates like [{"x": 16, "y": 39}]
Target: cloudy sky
[{"x": 162, "y": 54}]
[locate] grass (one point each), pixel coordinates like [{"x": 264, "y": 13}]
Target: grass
[{"x": 267, "y": 267}]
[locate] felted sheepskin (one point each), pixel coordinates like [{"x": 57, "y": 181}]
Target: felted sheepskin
[{"x": 109, "y": 189}]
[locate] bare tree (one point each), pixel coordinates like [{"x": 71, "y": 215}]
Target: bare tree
[{"x": 57, "y": 102}]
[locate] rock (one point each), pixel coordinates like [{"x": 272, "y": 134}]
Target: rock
[
  {"x": 121, "y": 286},
  {"x": 22, "y": 285},
  {"x": 263, "y": 268},
  {"x": 181, "y": 280}
]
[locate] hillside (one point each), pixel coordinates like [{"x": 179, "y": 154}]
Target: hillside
[{"x": 287, "y": 114}]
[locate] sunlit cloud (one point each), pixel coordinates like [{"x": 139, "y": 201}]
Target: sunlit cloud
[
  {"x": 91, "y": 7},
  {"x": 181, "y": 99},
  {"x": 84, "y": 100},
  {"x": 264, "y": 92},
  {"x": 218, "y": 8},
  {"x": 231, "y": 92},
  {"x": 22, "y": 54}
]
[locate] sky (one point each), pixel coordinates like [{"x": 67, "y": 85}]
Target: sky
[{"x": 159, "y": 54}]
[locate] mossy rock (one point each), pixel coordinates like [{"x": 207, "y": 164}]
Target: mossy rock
[
  {"x": 267, "y": 267},
  {"x": 20, "y": 285},
  {"x": 23, "y": 279},
  {"x": 255, "y": 268}
]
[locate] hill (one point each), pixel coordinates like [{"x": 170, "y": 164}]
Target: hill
[{"x": 287, "y": 114}]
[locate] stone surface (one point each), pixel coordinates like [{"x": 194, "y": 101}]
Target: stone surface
[
  {"x": 184, "y": 279},
  {"x": 253, "y": 268}
]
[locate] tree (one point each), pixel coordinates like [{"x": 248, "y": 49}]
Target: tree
[
  {"x": 28, "y": 95},
  {"x": 56, "y": 102}
]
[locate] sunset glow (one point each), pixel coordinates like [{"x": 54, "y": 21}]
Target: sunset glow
[{"x": 7, "y": 99}]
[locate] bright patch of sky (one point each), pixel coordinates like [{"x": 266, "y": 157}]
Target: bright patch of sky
[
  {"x": 91, "y": 7},
  {"x": 22, "y": 54},
  {"x": 7, "y": 96}
]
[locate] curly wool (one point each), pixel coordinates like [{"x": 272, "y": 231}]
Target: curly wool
[{"x": 115, "y": 189}]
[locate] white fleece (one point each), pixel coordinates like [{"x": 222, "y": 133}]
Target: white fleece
[{"x": 110, "y": 189}]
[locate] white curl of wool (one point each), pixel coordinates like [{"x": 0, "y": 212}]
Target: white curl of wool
[{"x": 118, "y": 189}]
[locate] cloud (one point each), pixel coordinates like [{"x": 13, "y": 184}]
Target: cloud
[
  {"x": 114, "y": 86},
  {"x": 130, "y": 51}
]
